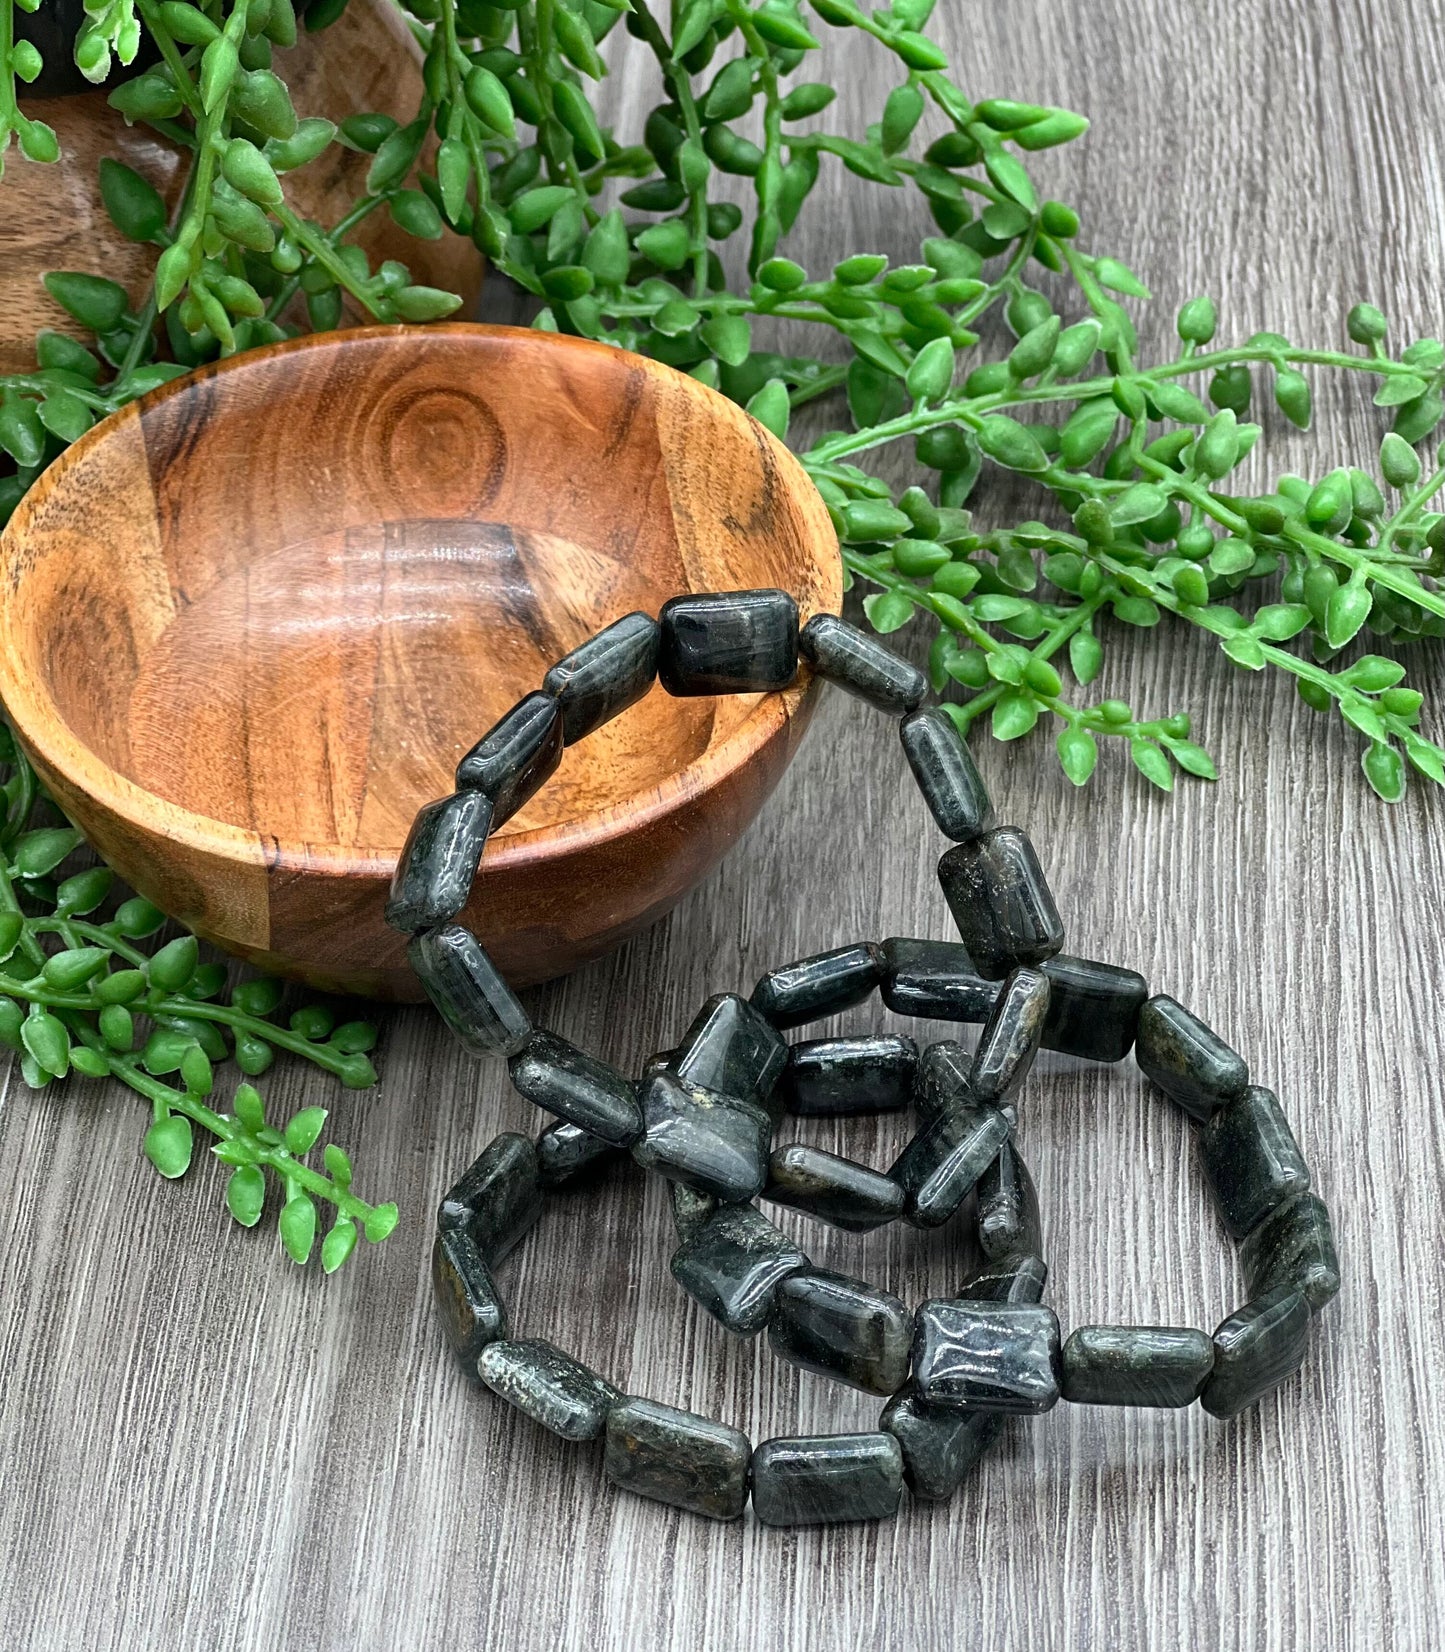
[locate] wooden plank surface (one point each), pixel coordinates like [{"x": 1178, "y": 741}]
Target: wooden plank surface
[{"x": 203, "y": 1447}]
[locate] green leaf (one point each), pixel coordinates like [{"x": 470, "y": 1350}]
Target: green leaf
[
  {"x": 1011, "y": 177},
  {"x": 1119, "y": 278},
  {"x": 1245, "y": 650},
  {"x": 729, "y": 337},
  {"x": 1152, "y": 764},
  {"x": 1399, "y": 462},
  {"x": 1078, "y": 753},
  {"x": 66, "y": 971},
  {"x": 930, "y": 374},
  {"x": 36, "y": 853},
  {"x": 381, "y": 1222},
  {"x": 1398, "y": 389},
  {"x": 1373, "y": 673},
  {"x": 338, "y": 1244},
  {"x": 95, "y": 303},
  {"x": 1385, "y": 770},
  {"x": 302, "y": 1131},
  {"x": 1348, "y": 609},
  {"x": 1139, "y": 503},
  {"x": 1193, "y": 759},
  {"x": 47, "y": 1042},
  {"x": 995, "y": 606},
  {"x": 1427, "y": 758},
  {"x": 771, "y": 407},
  {"x": 1175, "y": 402},
  {"x": 338, "y": 1166},
  {"x": 250, "y": 1113},
  {"x": 168, "y": 1145},
  {"x": 1011, "y": 444},
  {"x": 887, "y": 611},
  {"x": 297, "y": 1226},
  {"x": 1014, "y": 715},
  {"x": 1086, "y": 657},
  {"x": 1280, "y": 621},
  {"x": 245, "y": 1194}
]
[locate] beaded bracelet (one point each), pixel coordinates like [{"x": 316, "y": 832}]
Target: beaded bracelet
[{"x": 703, "y": 1115}]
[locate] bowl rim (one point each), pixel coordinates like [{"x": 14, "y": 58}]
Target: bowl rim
[{"x": 47, "y": 734}]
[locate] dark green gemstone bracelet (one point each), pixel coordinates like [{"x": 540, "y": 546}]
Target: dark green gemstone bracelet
[{"x": 704, "y": 1116}]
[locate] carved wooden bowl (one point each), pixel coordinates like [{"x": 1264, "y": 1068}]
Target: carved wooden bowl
[{"x": 251, "y": 623}]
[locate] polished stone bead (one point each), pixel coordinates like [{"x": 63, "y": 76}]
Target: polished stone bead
[
  {"x": 728, "y": 642},
  {"x": 1186, "y": 1059},
  {"x": 1151, "y": 1365},
  {"x": 497, "y": 1198},
  {"x": 466, "y": 1295},
  {"x": 1294, "y": 1245},
  {"x": 691, "y": 1210},
  {"x": 943, "y": 1079},
  {"x": 1001, "y": 901},
  {"x": 821, "y": 985},
  {"x": 843, "y": 1328},
  {"x": 515, "y": 756},
  {"x": 714, "y": 1143},
  {"x": 1255, "y": 1350},
  {"x": 604, "y": 675},
  {"x": 935, "y": 981},
  {"x": 1020, "y": 1277},
  {"x": 940, "y": 1448},
  {"x": 944, "y": 1160},
  {"x": 1093, "y": 1008},
  {"x": 554, "y": 1074},
  {"x": 468, "y": 991},
  {"x": 548, "y": 1386},
  {"x": 438, "y": 862},
  {"x": 733, "y": 1266},
  {"x": 943, "y": 767},
  {"x": 1008, "y": 1207},
  {"x": 858, "y": 662},
  {"x": 835, "y": 1190},
  {"x": 732, "y": 1049},
  {"x": 565, "y": 1153},
  {"x": 678, "y": 1457},
  {"x": 821, "y": 1479},
  {"x": 1010, "y": 1038},
  {"x": 1251, "y": 1161},
  {"x": 836, "y": 1076},
  {"x": 986, "y": 1356}
]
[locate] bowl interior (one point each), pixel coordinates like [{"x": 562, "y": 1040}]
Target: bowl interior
[{"x": 297, "y": 589}]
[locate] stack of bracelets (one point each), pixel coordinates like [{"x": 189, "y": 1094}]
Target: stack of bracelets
[{"x": 704, "y": 1116}]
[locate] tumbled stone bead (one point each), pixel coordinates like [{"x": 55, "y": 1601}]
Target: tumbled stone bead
[
  {"x": 732, "y": 1049},
  {"x": 1251, "y": 1161},
  {"x": 1010, "y": 1038},
  {"x": 555, "y": 1075},
  {"x": 821, "y": 985},
  {"x": 604, "y": 675},
  {"x": 1093, "y": 1008},
  {"x": 691, "y": 1210},
  {"x": 677, "y": 1457},
  {"x": 497, "y": 1198},
  {"x": 858, "y": 662},
  {"x": 1001, "y": 901},
  {"x": 733, "y": 1266},
  {"x": 466, "y": 1295},
  {"x": 1019, "y": 1277},
  {"x": 942, "y": 1082},
  {"x": 1255, "y": 1350},
  {"x": 714, "y": 1143},
  {"x": 438, "y": 862},
  {"x": 934, "y": 980},
  {"x": 987, "y": 1356},
  {"x": 838, "y": 1076},
  {"x": 940, "y": 1448},
  {"x": 728, "y": 642},
  {"x": 824, "y": 1479},
  {"x": 1294, "y": 1245},
  {"x": 1186, "y": 1059},
  {"x": 548, "y": 1386},
  {"x": 565, "y": 1153},
  {"x": 944, "y": 1160},
  {"x": 515, "y": 756},
  {"x": 469, "y": 992},
  {"x": 843, "y": 1328},
  {"x": 943, "y": 767},
  {"x": 850, "y": 1196},
  {"x": 1151, "y": 1365},
  {"x": 1008, "y": 1207}
]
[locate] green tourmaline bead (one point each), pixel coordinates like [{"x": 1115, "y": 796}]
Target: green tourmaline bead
[
  {"x": 934, "y": 980},
  {"x": 565, "y": 1153},
  {"x": 468, "y": 991},
  {"x": 843, "y": 654},
  {"x": 515, "y": 756},
  {"x": 466, "y": 1295},
  {"x": 944, "y": 1160},
  {"x": 1010, "y": 1038},
  {"x": 604, "y": 675},
  {"x": 986, "y": 1356},
  {"x": 714, "y": 1143},
  {"x": 548, "y": 1386},
  {"x": 821, "y": 1479},
  {"x": 1251, "y": 1161},
  {"x": 944, "y": 769},
  {"x": 1001, "y": 901},
  {"x": 1135, "y": 1365},
  {"x": 837, "y": 1076},
  {"x": 843, "y": 1328},
  {"x": 1008, "y": 1207},
  {"x": 1093, "y": 1008},
  {"x": 733, "y": 1266},
  {"x": 438, "y": 862},
  {"x": 850, "y": 1196},
  {"x": 1255, "y": 1350},
  {"x": 940, "y": 1448},
  {"x": 1186, "y": 1059},
  {"x": 677, "y": 1457},
  {"x": 691, "y": 1210},
  {"x": 943, "y": 1079},
  {"x": 732, "y": 1049},
  {"x": 555, "y": 1075},
  {"x": 728, "y": 642},
  {"x": 1019, "y": 1277},
  {"x": 818, "y": 986},
  {"x": 1294, "y": 1245},
  {"x": 497, "y": 1199}
]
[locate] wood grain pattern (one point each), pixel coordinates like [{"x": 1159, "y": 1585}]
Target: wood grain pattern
[{"x": 203, "y": 1447}]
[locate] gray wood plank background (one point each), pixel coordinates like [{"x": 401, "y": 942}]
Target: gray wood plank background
[{"x": 201, "y": 1446}]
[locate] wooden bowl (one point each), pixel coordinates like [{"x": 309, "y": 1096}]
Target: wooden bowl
[{"x": 252, "y": 621}]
